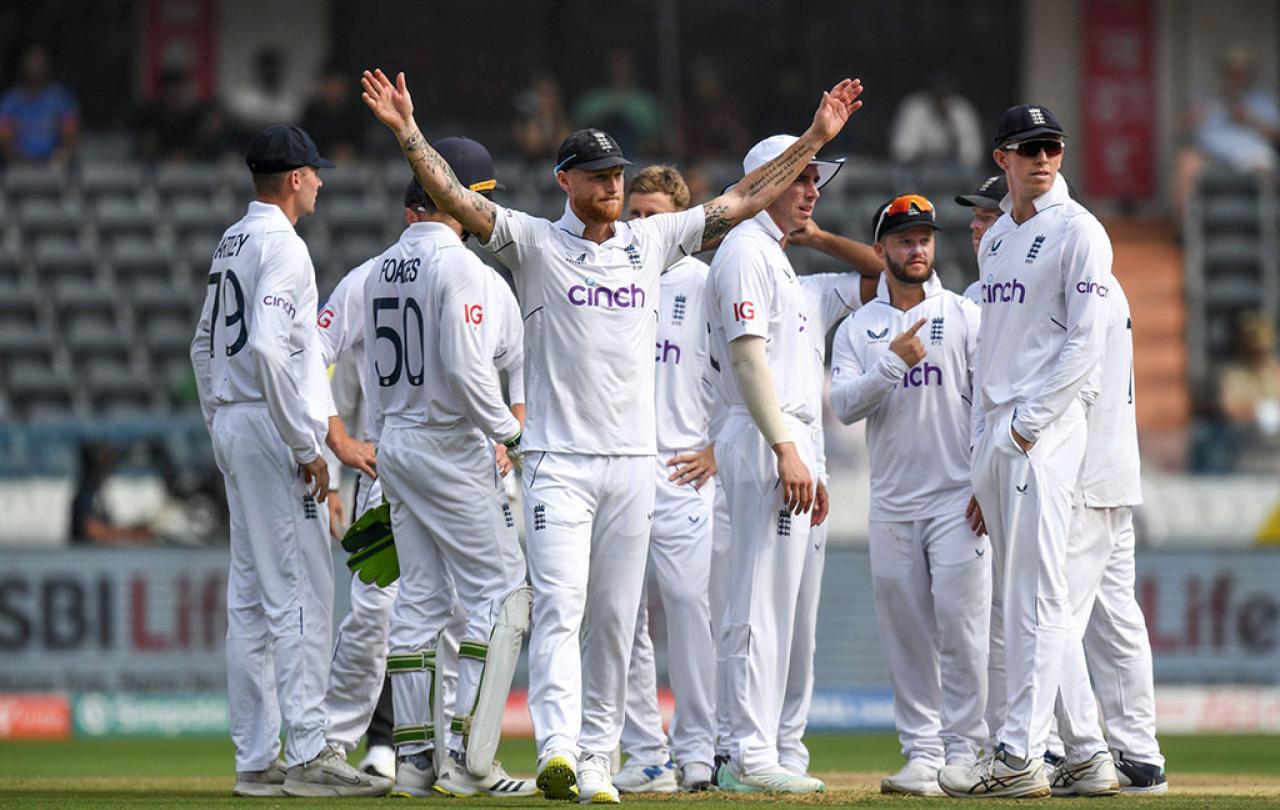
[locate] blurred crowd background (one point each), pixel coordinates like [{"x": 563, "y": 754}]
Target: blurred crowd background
[{"x": 123, "y": 126}]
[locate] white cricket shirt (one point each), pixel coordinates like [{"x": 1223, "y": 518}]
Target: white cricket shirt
[
  {"x": 340, "y": 326},
  {"x": 256, "y": 340},
  {"x": 1044, "y": 309},
  {"x": 590, "y": 320},
  {"x": 431, "y": 335},
  {"x": 1111, "y": 472},
  {"x": 974, "y": 292},
  {"x": 683, "y": 390},
  {"x": 917, "y": 418},
  {"x": 508, "y": 355}
]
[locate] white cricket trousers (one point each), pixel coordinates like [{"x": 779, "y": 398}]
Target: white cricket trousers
[
  {"x": 279, "y": 593},
  {"x": 718, "y": 587},
  {"x": 932, "y": 584},
  {"x": 793, "y": 754},
  {"x": 1027, "y": 502},
  {"x": 456, "y": 538},
  {"x": 767, "y": 553},
  {"x": 360, "y": 648},
  {"x": 587, "y": 524},
  {"x": 680, "y": 551}
]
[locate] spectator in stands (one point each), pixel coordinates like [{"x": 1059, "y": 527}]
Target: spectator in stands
[
  {"x": 628, "y": 113},
  {"x": 938, "y": 126},
  {"x": 334, "y": 117},
  {"x": 713, "y": 125},
  {"x": 266, "y": 100},
  {"x": 39, "y": 120},
  {"x": 541, "y": 123},
  {"x": 1249, "y": 395},
  {"x": 90, "y": 520},
  {"x": 1238, "y": 130},
  {"x": 177, "y": 125}
]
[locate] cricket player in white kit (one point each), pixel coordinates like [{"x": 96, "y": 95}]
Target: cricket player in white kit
[
  {"x": 588, "y": 285},
  {"x": 680, "y": 538},
  {"x": 985, "y": 203},
  {"x": 767, "y": 454},
  {"x": 904, "y": 363},
  {"x": 1100, "y": 578},
  {"x": 430, "y": 327},
  {"x": 1046, "y": 268},
  {"x": 266, "y": 401}
]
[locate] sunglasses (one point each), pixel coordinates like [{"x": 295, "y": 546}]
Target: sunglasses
[
  {"x": 1030, "y": 149},
  {"x": 903, "y": 205}
]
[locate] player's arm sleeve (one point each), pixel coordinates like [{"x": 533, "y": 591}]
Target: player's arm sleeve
[
  {"x": 973, "y": 324},
  {"x": 838, "y": 294},
  {"x": 858, "y": 390},
  {"x": 1086, "y": 262},
  {"x": 338, "y": 325},
  {"x": 680, "y": 233},
  {"x": 511, "y": 362},
  {"x": 468, "y": 341},
  {"x": 202, "y": 357},
  {"x": 755, "y": 381},
  {"x": 516, "y": 236},
  {"x": 284, "y": 265}
]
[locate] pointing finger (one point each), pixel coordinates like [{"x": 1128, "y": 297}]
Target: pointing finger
[{"x": 917, "y": 326}]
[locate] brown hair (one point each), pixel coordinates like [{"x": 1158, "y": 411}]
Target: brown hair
[{"x": 662, "y": 180}]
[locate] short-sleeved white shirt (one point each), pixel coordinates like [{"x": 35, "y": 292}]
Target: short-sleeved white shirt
[{"x": 590, "y": 320}]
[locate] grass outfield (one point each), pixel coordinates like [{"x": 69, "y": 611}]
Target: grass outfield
[{"x": 1205, "y": 771}]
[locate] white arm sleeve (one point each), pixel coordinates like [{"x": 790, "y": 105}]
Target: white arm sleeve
[
  {"x": 977, "y": 416},
  {"x": 856, "y": 392},
  {"x": 755, "y": 381},
  {"x": 201, "y": 359}
]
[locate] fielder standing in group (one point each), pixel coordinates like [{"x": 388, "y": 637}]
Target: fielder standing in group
[
  {"x": 588, "y": 284},
  {"x": 1045, "y": 270},
  {"x": 266, "y": 402},
  {"x": 904, "y": 363},
  {"x": 985, "y": 202}
]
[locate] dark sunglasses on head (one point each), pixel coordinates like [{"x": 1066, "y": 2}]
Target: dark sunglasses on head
[{"x": 1030, "y": 149}]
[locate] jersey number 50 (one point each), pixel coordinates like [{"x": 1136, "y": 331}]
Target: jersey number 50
[
  {"x": 400, "y": 341},
  {"x": 221, "y": 282}
]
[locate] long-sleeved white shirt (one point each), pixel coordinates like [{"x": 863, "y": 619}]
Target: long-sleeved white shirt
[
  {"x": 1111, "y": 472},
  {"x": 590, "y": 323},
  {"x": 432, "y": 330},
  {"x": 1044, "y": 309},
  {"x": 256, "y": 340},
  {"x": 683, "y": 390},
  {"x": 340, "y": 326},
  {"x": 917, "y": 418}
]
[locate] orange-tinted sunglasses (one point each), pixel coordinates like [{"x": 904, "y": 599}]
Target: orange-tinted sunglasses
[{"x": 903, "y": 205}]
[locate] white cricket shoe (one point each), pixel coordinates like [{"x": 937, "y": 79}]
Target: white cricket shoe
[
  {"x": 637, "y": 777},
  {"x": 379, "y": 760},
  {"x": 558, "y": 775},
  {"x": 773, "y": 780},
  {"x": 267, "y": 782},
  {"x": 991, "y": 777},
  {"x": 594, "y": 784},
  {"x": 1139, "y": 777},
  {"x": 455, "y": 780},
  {"x": 695, "y": 777},
  {"x": 415, "y": 775},
  {"x": 1096, "y": 776},
  {"x": 329, "y": 774},
  {"x": 915, "y": 779}
]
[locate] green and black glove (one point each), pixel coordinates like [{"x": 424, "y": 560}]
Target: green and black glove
[{"x": 372, "y": 548}]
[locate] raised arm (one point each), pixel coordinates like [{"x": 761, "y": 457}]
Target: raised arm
[
  {"x": 392, "y": 105},
  {"x": 753, "y": 193}
]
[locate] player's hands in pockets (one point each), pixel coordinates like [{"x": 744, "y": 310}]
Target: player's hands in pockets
[
  {"x": 316, "y": 474},
  {"x": 794, "y": 478},
  {"x": 694, "y": 468},
  {"x": 974, "y": 513}
]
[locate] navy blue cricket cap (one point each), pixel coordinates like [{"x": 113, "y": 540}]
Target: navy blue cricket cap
[
  {"x": 280, "y": 148},
  {"x": 471, "y": 163},
  {"x": 1027, "y": 121},
  {"x": 903, "y": 212},
  {"x": 589, "y": 150},
  {"x": 988, "y": 194}
]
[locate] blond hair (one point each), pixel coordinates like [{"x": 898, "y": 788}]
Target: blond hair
[{"x": 662, "y": 180}]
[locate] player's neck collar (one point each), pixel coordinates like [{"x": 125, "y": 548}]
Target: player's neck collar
[
  {"x": 770, "y": 227},
  {"x": 932, "y": 286},
  {"x": 570, "y": 223},
  {"x": 1057, "y": 194},
  {"x": 269, "y": 210}
]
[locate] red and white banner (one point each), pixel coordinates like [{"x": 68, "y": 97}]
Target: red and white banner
[
  {"x": 34, "y": 717},
  {"x": 1118, "y": 104}
]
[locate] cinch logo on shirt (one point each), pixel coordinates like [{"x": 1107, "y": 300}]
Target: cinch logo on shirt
[
  {"x": 1088, "y": 286},
  {"x": 668, "y": 352},
  {"x": 920, "y": 376},
  {"x": 282, "y": 303},
  {"x": 744, "y": 311},
  {"x": 590, "y": 295},
  {"x": 1004, "y": 292}
]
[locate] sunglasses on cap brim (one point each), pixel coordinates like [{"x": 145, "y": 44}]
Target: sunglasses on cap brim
[
  {"x": 903, "y": 205},
  {"x": 1030, "y": 149}
]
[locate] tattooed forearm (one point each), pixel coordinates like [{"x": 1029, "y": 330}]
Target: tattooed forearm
[
  {"x": 717, "y": 224},
  {"x": 772, "y": 176},
  {"x": 474, "y": 211}
]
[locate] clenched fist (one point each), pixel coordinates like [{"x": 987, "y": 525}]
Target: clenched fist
[{"x": 909, "y": 347}]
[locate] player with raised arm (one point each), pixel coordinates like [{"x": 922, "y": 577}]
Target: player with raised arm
[
  {"x": 432, "y": 335},
  {"x": 904, "y": 363},
  {"x": 1045, "y": 269},
  {"x": 588, "y": 285},
  {"x": 266, "y": 402}
]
